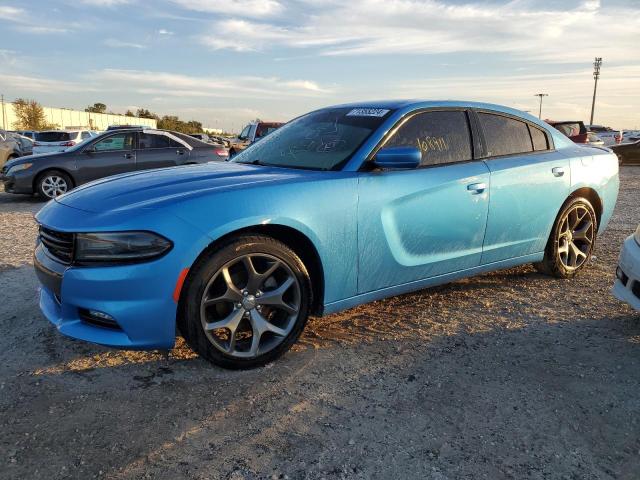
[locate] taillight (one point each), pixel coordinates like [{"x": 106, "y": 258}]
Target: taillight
[
  {"x": 68, "y": 144},
  {"x": 221, "y": 152}
]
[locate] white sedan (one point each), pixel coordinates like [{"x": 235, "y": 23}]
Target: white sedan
[{"x": 627, "y": 284}]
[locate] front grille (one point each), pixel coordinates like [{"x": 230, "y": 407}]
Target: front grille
[{"x": 58, "y": 244}]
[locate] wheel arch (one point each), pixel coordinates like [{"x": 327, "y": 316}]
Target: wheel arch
[
  {"x": 593, "y": 197},
  {"x": 300, "y": 243}
]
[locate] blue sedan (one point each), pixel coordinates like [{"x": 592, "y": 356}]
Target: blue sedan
[{"x": 341, "y": 206}]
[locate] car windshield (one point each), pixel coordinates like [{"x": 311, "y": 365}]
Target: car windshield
[{"x": 322, "y": 140}]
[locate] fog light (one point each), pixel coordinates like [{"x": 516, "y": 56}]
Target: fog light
[
  {"x": 98, "y": 319},
  {"x": 622, "y": 276}
]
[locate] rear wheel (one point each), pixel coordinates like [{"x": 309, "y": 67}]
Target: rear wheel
[
  {"x": 245, "y": 303},
  {"x": 572, "y": 240},
  {"x": 53, "y": 183}
]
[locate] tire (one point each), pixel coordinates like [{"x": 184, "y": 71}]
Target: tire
[
  {"x": 53, "y": 183},
  {"x": 240, "y": 310},
  {"x": 572, "y": 240}
]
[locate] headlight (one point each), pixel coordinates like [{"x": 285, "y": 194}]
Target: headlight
[
  {"x": 637, "y": 235},
  {"x": 19, "y": 168},
  {"x": 119, "y": 247}
]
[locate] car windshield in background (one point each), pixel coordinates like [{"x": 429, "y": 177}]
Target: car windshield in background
[
  {"x": 53, "y": 136},
  {"x": 321, "y": 140}
]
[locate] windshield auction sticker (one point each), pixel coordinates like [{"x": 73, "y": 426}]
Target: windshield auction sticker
[{"x": 367, "y": 112}]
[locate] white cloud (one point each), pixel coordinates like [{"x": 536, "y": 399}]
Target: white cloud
[
  {"x": 178, "y": 85},
  {"x": 12, "y": 13},
  {"x": 365, "y": 27},
  {"x": 244, "y": 8},
  {"x": 115, "y": 43},
  {"x": 104, "y": 3},
  {"x": 163, "y": 31}
]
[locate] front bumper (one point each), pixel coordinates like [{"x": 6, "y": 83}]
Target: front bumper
[
  {"x": 138, "y": 297},
  {"x": 627, "y": 284},
  {"x": 17, "y": 183}
]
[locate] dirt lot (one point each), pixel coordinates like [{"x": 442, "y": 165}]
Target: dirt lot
[{"x": 507, "y": 375}]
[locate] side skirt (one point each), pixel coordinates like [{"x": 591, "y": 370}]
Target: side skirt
[{"x": 428, "y": 282}]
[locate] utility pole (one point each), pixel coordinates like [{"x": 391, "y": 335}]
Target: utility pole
[
  {"x": 4, "y": 121},
  {"x": 596, "y": 75},
  {"x": 541, "y": 95}
]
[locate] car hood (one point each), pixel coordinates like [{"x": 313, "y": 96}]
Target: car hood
[{"x": 166, "y": 186}]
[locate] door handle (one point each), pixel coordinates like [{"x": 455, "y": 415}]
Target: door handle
[
  {"x": 128, "y": 155},
  {"x": 477, "y": 187},
  {"x": 557, "y": 171},
  {"x": 179, "y": 152}
]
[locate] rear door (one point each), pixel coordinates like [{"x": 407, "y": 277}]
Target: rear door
[
  {"x": 529, "y": 183},
  {"x": 420, "y": 223},
  {"x": 108, "y": 156},
  {"x": 156, "y": 150}
]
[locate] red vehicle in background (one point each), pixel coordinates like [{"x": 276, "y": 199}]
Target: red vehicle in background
[{"x": 575, "y": 130}]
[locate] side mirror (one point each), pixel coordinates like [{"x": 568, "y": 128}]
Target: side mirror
[{"x": 398, "y": 157}]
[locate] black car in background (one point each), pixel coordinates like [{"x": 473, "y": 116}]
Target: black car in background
[
  {"x": 628, "y": 153},
  {"x": 110, "y": 153}
]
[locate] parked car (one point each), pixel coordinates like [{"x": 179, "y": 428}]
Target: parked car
[
  {"x": 110, "y": 153},
  {"x": 9, "y": 148},
  {"x": 51, "y": 141},
  {"x": 250, "y": 134},
  {"x": 25, "y": 143},
  {"x": 575, "y": 130},
  {"x": 627, "y": 284},
  {"x": 628, "y": 153},
  {"x": 219, "y": 148},
  {"x": 631, "y": 136},
  {"x": 342, "y": 206},
  {"x": 608, "y": 135}
]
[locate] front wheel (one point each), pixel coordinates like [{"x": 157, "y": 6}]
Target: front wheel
[
  {"x": 53, "y": 183},
  {"x": 245, "y": 303},
  {"x": 572, "y": 240}
]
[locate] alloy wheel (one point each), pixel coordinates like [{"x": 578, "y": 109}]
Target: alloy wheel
[
  {"x": 576, "y": 237},
  {"x": 250, "y": 305},
  {"x": 54, "y": 185}
]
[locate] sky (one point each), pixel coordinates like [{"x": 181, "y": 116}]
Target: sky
[{"x": 225, "y": 62}]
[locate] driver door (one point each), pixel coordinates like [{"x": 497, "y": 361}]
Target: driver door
[
  {"x": 420, "y": 223},
  {"x": 108, "y": 156}
]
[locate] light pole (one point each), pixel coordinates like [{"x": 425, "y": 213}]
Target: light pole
[
  {"x": 541, "y": 95},
  {"x": 596, "y": 75}
]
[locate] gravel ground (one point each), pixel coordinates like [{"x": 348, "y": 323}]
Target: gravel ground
[{"x": 511, "y": 375}]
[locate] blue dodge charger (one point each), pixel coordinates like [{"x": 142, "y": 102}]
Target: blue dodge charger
[{"x": 341, "y": 206}]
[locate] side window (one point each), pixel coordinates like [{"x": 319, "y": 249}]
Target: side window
[
  {"x": 539, "y": 139},
  {"x": 149, "y": 140},
  {"x": 86, "y": 135},
  {"x": 121, "y": 141},
  {"x": 442, "y": 137},
  {"x": 504, "y": 136},
  {"x": 245, "y": 132}
]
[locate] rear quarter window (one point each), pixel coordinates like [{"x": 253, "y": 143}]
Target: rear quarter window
[{"x": 539, "y": 139}]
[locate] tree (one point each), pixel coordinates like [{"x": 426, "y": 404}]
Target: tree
[
  {"x": 172, "y": 122},
  {"x": 129, "y": 113},
  {"x": 30, "y": 115},
  {"x": 96, "y": 108},
  {"x": 144, "y": 113}
]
